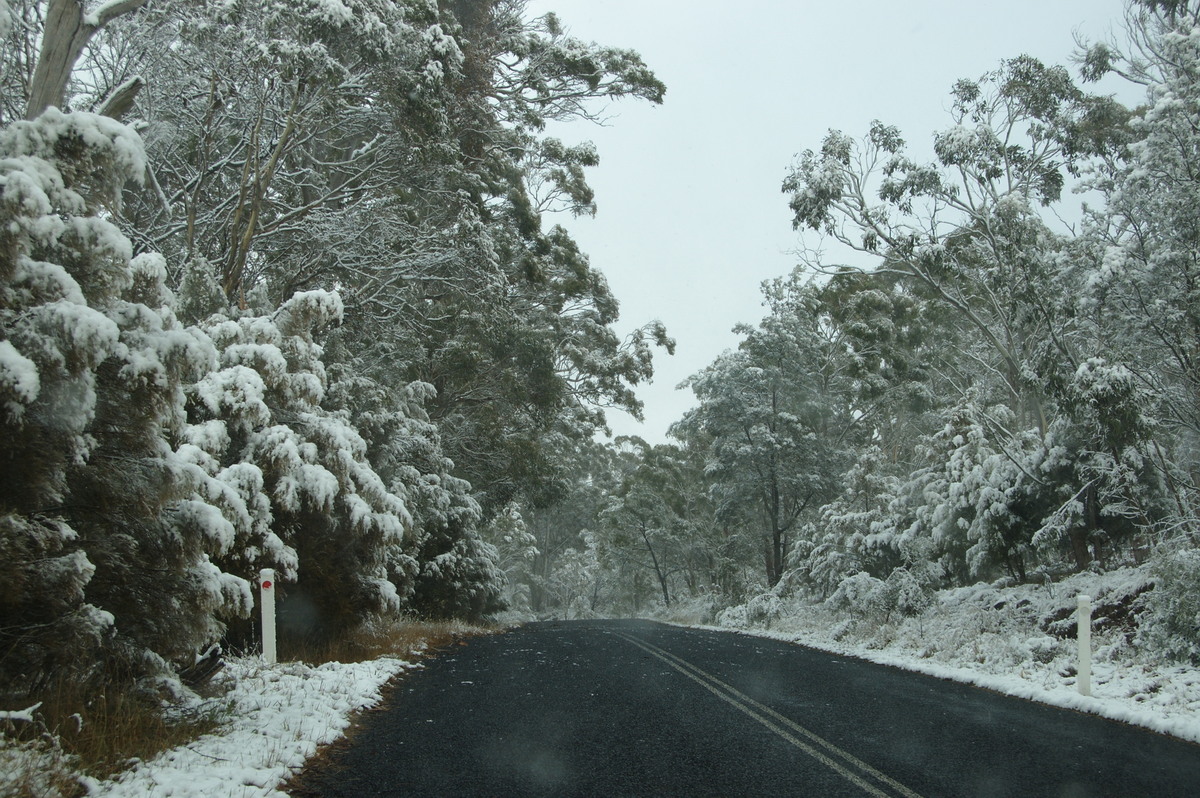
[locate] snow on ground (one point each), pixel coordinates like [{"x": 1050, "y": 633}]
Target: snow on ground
[
  {"x": 1015, "y": 640},
  {"x": 277, "y": 717}
]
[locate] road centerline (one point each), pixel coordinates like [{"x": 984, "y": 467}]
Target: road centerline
[{"x": 781, "y": 725}]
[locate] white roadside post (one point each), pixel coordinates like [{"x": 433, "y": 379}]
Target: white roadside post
[
  {"x": 1083, "y": 618},
  {"x": 266, "y": 584}
]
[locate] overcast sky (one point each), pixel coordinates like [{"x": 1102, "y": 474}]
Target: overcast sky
[{"x": 691, "y": 217}]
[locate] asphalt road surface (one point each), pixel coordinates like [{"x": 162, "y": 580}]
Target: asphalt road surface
[{"x": 614, "y": 708}]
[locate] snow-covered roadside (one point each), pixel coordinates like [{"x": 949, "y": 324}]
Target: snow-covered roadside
[
  {"x": 996, "y": 638},
  {"x": 1163, "y": 699},
  {"x": 277, "y": 717}
]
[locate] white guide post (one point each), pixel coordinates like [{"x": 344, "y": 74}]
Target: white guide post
[
  {"x": 1083, "y": 618},
  {"x": 266, "y": 584}
]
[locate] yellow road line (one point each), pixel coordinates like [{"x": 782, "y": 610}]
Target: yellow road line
[{"x": 780, "y": 725}]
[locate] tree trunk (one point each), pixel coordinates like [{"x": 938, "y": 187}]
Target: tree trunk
[
  {"x": 66, "y": 33},
  {"x": 662, "y": 580},
  {"x": 1079, "y": 535},
  {"x": 775, "y": 550}
]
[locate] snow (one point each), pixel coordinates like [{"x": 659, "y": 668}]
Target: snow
[
  {"x": 18, "y": 376},
  {"x": 89, "y": 332},
  {"x": 214, "y": 527},
  {"x": 106, "y": 137},
  {"x": 1163, "y": 699},
  {"x": 996, "y": 638},
  {"x": 266, "y": 359},
  {"x": 20, "y": 715},
  {"x": 277, "y": 717},
  {"x": 237, "y": 391},
  {"x": 442, "y": 45},
  {"x": 332, "y": 12},
  {"x": 211, "y": 437},
  {"x": 319, "y": 485},
  {"x": 307, "y": 310}
]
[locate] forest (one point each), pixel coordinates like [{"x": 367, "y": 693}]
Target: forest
[
  {"x": 280, "y": 287},
  {"x": 1000, "y": 397}
]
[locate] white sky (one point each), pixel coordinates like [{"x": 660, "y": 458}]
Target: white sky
[{"x": 691, "y": 216}]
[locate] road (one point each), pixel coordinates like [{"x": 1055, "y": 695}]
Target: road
[{"x": 615, "y": 708}]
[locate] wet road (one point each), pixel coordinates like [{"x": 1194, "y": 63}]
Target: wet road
[{"x": 612, "y": 708}]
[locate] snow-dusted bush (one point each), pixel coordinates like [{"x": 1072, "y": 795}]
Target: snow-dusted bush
[
  {"x": 761, "y": 610},
  {"x": 689, "y": 610},
  {"x": 309, "y": 501},
  {"x": 908, "y": 591},
  {"x": 859, "y": 594},
  {"x": 734, "y": 617},
  {"x": 1171, "y": 623}
]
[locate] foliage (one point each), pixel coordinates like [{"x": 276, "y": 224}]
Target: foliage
[
  {"x": 990, "y": 395},
  {"x": 306, "y": 317},
  {"x": 775, "y": 420},
  {"x": 102, "y": 520},
  {"x": 1173, "y": 607}
]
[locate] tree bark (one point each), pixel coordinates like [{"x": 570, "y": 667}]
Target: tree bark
[
  {"x": 662, "y": 580},
  {"x": 120, "y": 101},
  {"x": 68, "y": 30}
]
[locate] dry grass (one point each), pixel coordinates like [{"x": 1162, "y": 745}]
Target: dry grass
[
  {"x": 381, "y": 637},
  {"x": 123, "y": 727},
  {"x": 101, "y": 731},
  {"x": 83, "y": 730},
  {"x": 36, "y": 768},
  {"x": 78, "y": 730}
]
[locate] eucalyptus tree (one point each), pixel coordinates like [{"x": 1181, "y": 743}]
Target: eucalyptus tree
[
  {"x": 393, "y": 150},
  {"x": 527, "y": 352},
  {"x": 1137, "y": 258},
  {"x": 645, "y": 520},
  {"x": 1139, "y": 254},
  {"x": 968, "y": 232},
  {"x": 261, "y": 115},
  {"x": 273, "y": 129},
  {"x": 41, "y": 41},
  {"x": 563, "y": 519},
  {"x": 965, "y": 229},
  {"x": 777, "y": 420}
]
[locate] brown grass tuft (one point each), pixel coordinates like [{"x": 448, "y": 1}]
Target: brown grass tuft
[
  {"x": 99, "y": 732},
  {"x": 78, "y": 730},
  {"x": 377, "y": 638},
  {"x": 103, "y": 731}
]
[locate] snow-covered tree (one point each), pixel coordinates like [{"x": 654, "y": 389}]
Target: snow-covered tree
[
  {"x": 777, "y": 420},
  {"x": 1045, "y": 445},
  {"x": 853, "y": 533},
  {"x": 259, "y": 425},
  {"x": 347, "y": 197},
  {"x": 110, "y": 545},
  {"x": 645, "y": 521},
  {"x": 516, "y": 548},
  {"x": 1138, "y": 256},
  {"x": 394, "y": 150}
]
